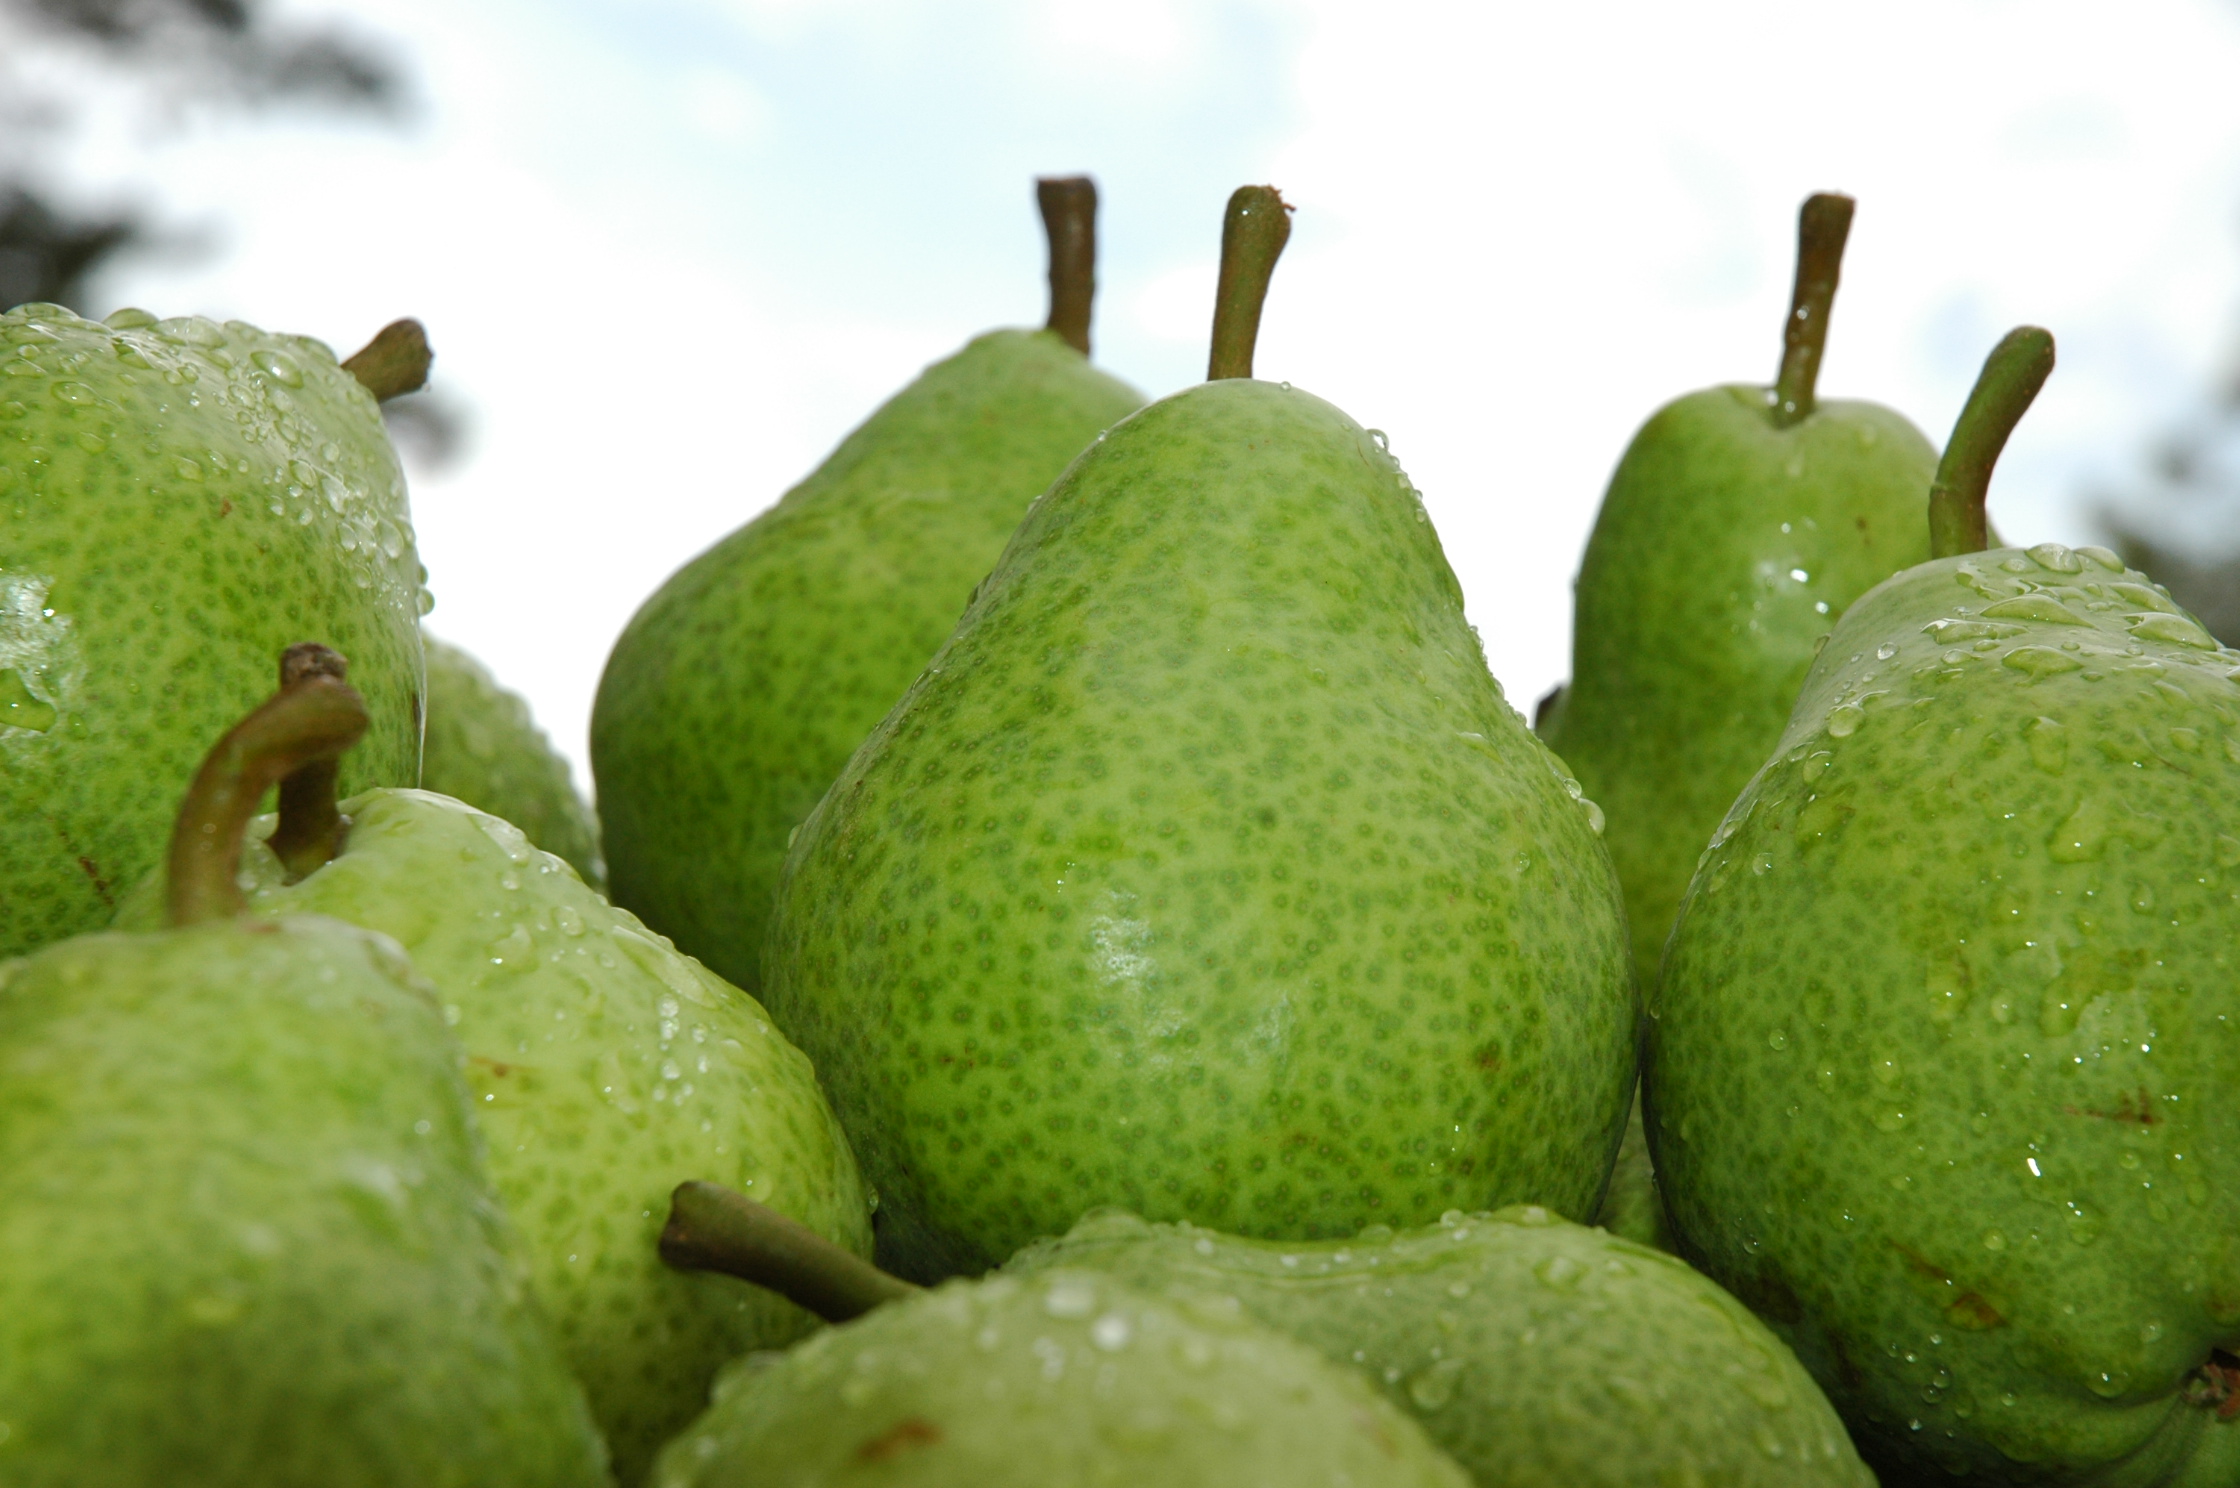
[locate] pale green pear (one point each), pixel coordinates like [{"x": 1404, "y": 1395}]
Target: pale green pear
[{"x": 1063, "y": 1380}]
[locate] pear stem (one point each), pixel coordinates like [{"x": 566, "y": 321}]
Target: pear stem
[
  {"x": 712, "y": 1228},
  {"x": 1069, "y": 217},
  {"x": 1823, "y": 226},
  {"x": 312, "y": 827},
  {"x": 2011, "y": 377},
  {"x": 316, "y": 717},
  {"x": 394, "y": 362},
  {"x": 1253, "y": 233}
]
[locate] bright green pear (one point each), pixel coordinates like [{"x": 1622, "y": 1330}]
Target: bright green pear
[
  {"x": 1206, "y": 873},
  {"x": 1059, "y": 1379},
  {"x": 1739, "y": 526},
  {"x": 245, "y": 1236},
  {"x": 1537, "y": 1353},
  {"x": 1941, "y": 1071},
  {"x": 606, "y": 1068},
  {"x": 739, "y": 690},
  {"x": 179, "y": 500},
  {"x": 484, "y": 748}
]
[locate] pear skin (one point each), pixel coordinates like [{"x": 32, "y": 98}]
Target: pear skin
[
  {"x": 1207, "y": 873},
  {"x": 1940, "y": 1072}
]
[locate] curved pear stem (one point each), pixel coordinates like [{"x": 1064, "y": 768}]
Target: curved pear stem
[
  {"x": 2011, "y": 377},
  {"x": 1823, "y": 226},
  {"x": 713, "y": 1228},
  {"x": 1253, "y": 233},
  {"x": 312, "y": 827},
  {"x": 394, "y": 362},
  {"x": 315, "y": 717},
  {"x": 1069, "y": 216}
]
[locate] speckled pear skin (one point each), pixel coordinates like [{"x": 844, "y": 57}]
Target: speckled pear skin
[
  {"x": 1536, "y": 1353},
  {"x": 484, "y": 748},
  {"x": 1692, "y": 629},
  {"x": 1941, "y": 1072},
  {"x": 1631, "y": 1207},
  {"x": 245, "y": 1237},
  {"x": 179, "y": 501},
  {"x": 739, "y": 690},
  {"x": 1206, "y": 873},
  {"x": 1051, "y": 1381},
  {"x": 606, "y": 1069}
]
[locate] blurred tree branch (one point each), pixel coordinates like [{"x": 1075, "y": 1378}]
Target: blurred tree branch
[
  {"x": 2180, "y": 521},
  {"x": 157, "y": 57}
]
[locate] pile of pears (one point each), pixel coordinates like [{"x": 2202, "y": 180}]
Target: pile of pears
[{"x": 1077, "y": 974}]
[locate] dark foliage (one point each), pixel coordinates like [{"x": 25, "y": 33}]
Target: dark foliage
[{"x": 168, "y": 53}]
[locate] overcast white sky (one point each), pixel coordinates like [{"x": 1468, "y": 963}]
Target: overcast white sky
[{"x": 671, "y": 250}]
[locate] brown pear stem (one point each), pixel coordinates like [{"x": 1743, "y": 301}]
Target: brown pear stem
[
  {"x": 1823, "y": 225},
  {"x": 2011, "y": 376},
  {"x": 1253, "y": 233},
  {"x": 394, "y": 362},
  {"x": 712, "y": 1228},
  {"x": 1069, "y": 216},
  {"x": 313, "y": 718},
  {"x": 312, "y": 827}
]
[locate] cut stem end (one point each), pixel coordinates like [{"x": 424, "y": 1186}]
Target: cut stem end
[
  {"x": 394, "y": 362},
  {"x": 312, "y": 827},
  {"x": 1069, "y": 216},
  {"x": 1253, "y": 233},
  {"x": 1823, "y": 227},
  {"x": 712, "y": 1228},
  {"x": 2011, "y": 376}
]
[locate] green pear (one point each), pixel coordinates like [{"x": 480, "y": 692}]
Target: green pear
[
  {"x": 1631, "y": 1206},
  {"x": 1534, "y": 1352},
  {"x": 484, "y": 748},
  {"x": 1940, "y": 1073},
  {"x": 245, "y": 1236},
  {"x": 179, "y": 500},
  {"x": 1045, "y": 1382},
  {"x": 1206, "y": 872},
  {"x": 1739, "y": 526},
  {"x": 606, "y": 1068},
  {"x": 741, "y": 687}
]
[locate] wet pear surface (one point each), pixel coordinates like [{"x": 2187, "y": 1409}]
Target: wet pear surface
[
  {"x": 1725, "y": 548},
  {"x": 483, "y": 747},
  {"x": 739, "y": 690},
  {"x": 1207, "y": 873},
  {"x": 1534, "y": 1351},
  {"x": 1066, "y": 1380},
  {"x": 179, "y": 501},
  {"x": 1941, "y": 1072},
  {"x": 606, "y": 1069},
  {"x": 245, "y": 1238}
]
